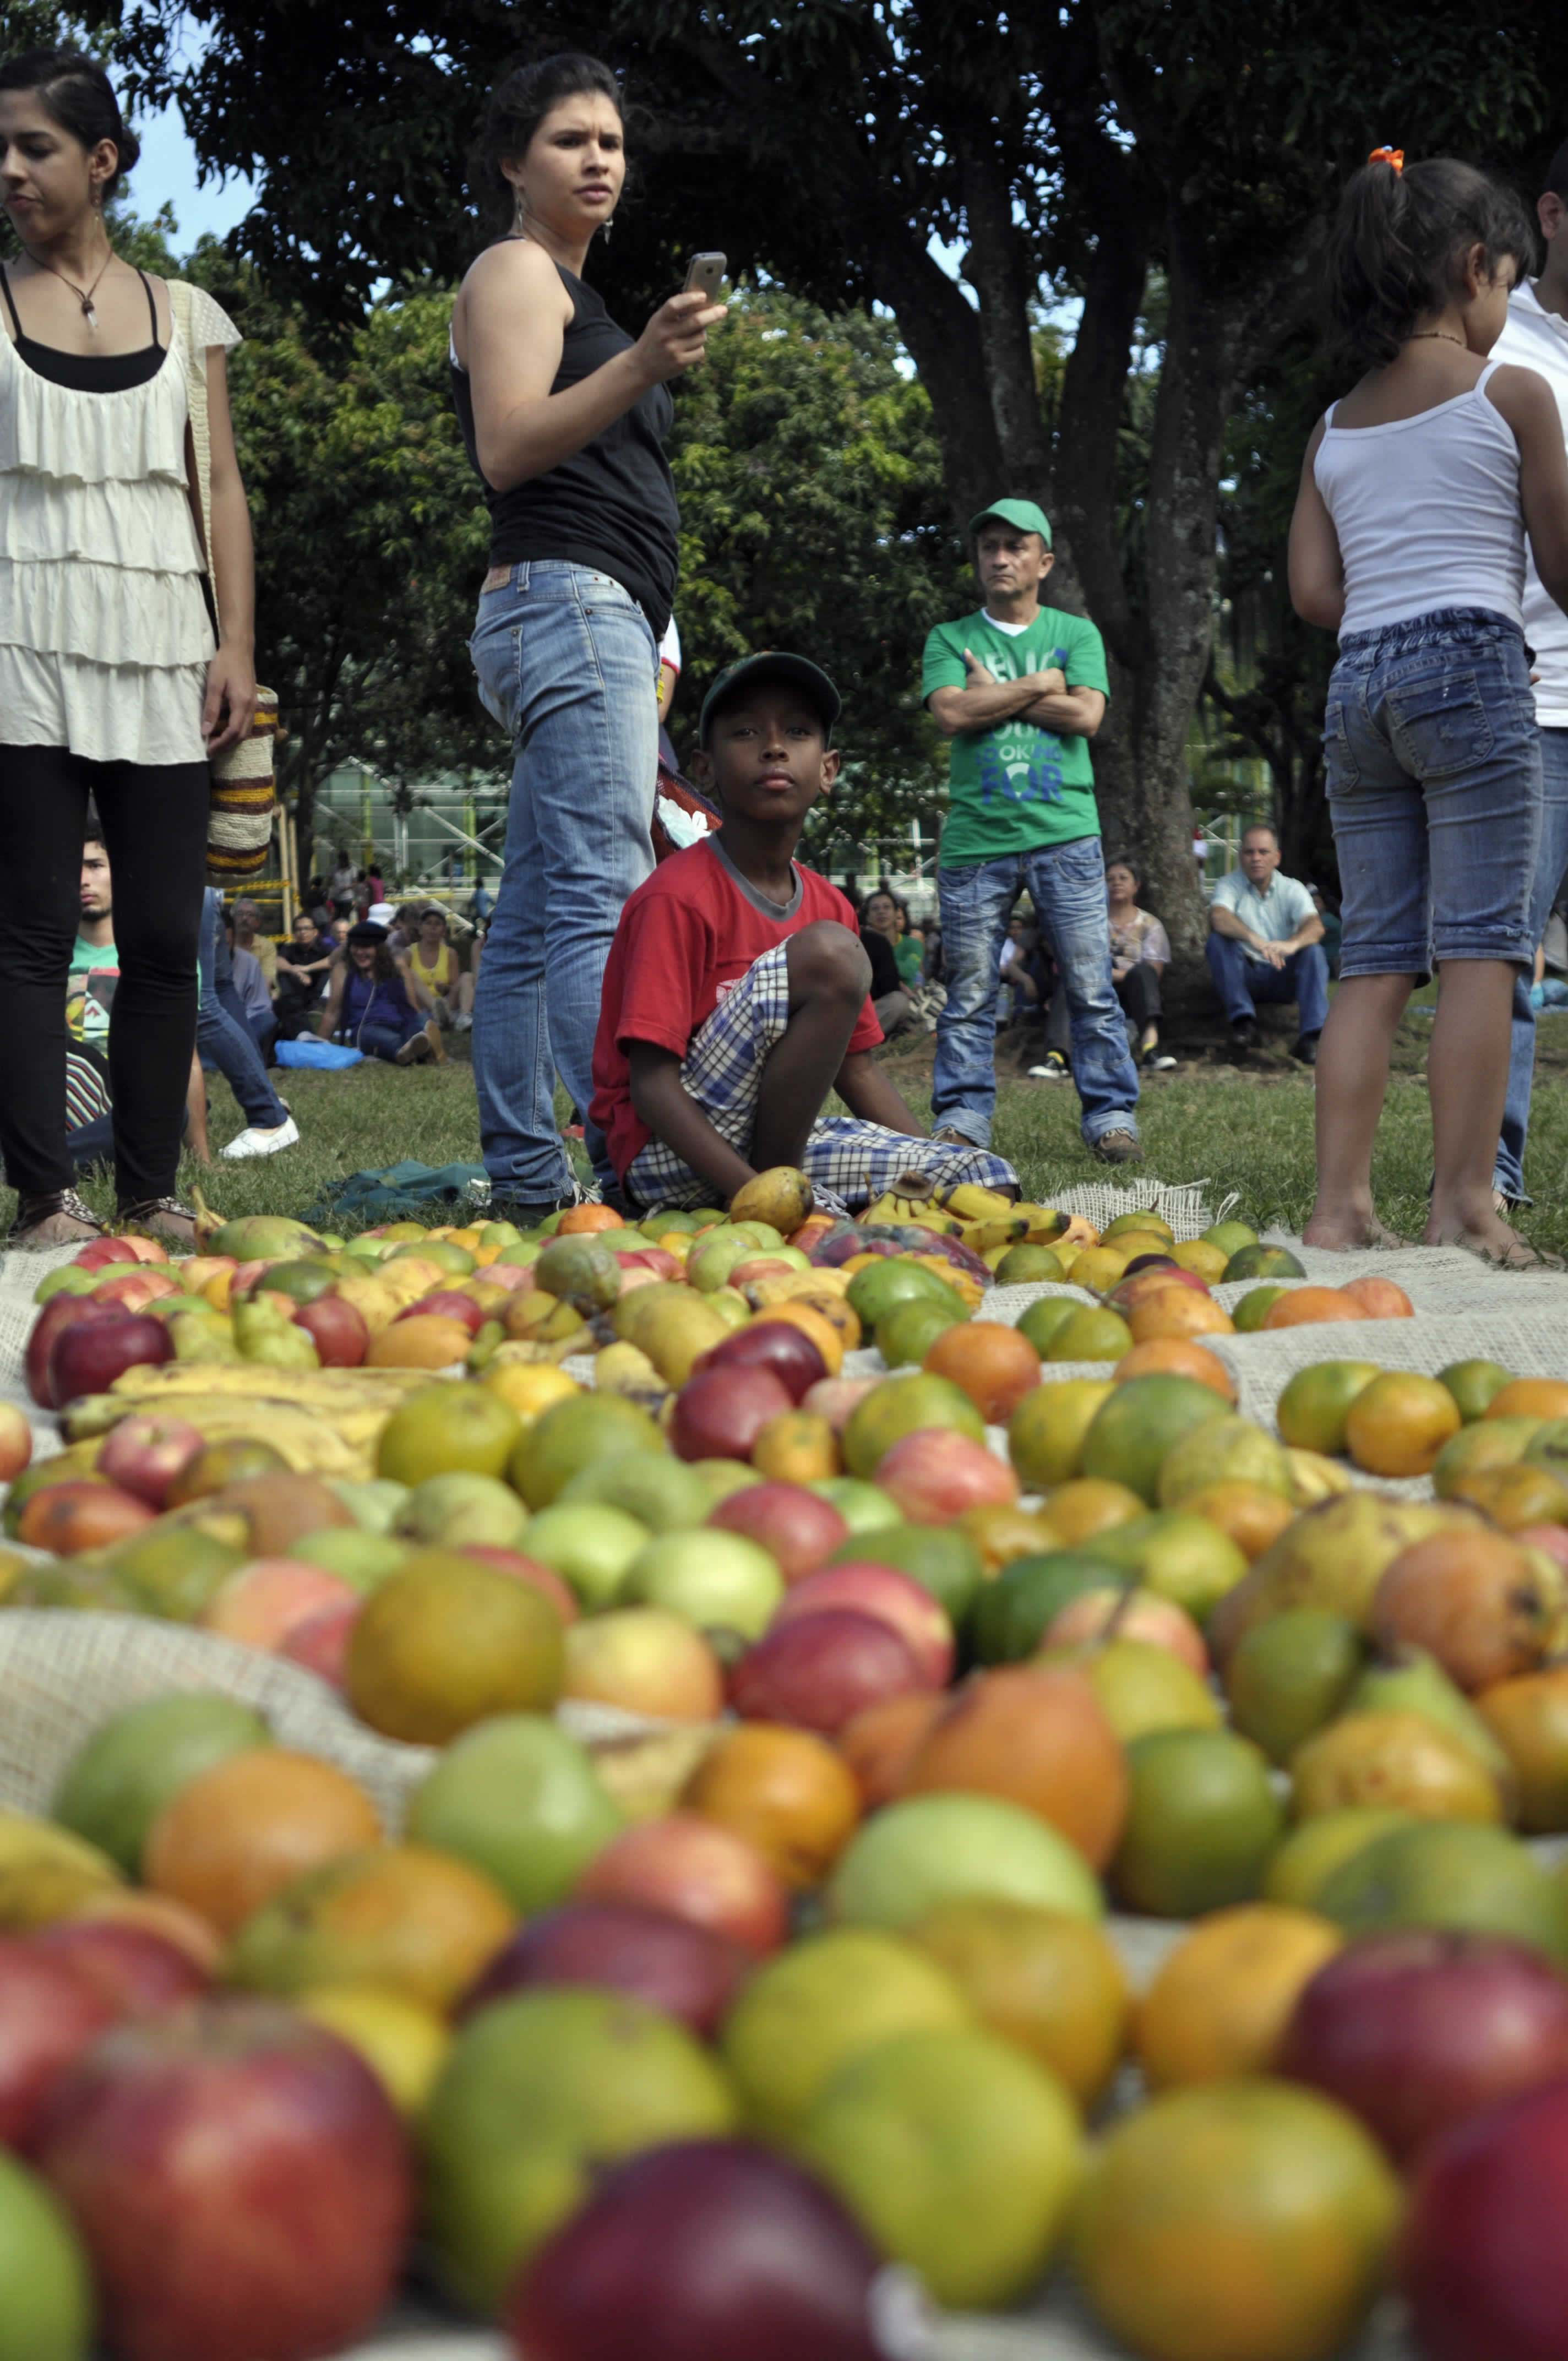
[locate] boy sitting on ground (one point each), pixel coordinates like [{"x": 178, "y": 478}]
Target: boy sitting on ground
[{"x": 735, "y": 997}]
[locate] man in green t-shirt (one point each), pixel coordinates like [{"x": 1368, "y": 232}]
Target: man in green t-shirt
[{"x": 1020, "y": 690}]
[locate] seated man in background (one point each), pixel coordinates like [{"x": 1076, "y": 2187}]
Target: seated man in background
[
  {"x": 1265, "y": 943},
  {"x": 249, "y": 937},
  {"x": 223, "y": 1041}
]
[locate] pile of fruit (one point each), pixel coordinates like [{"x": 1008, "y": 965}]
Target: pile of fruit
[{"x": 828, "y": 1956}]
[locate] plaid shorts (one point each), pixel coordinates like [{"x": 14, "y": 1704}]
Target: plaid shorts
[{"x": 847, "y": 1162}]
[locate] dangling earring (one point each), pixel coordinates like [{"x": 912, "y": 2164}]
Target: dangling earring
[{"x": 608, "y": 224}]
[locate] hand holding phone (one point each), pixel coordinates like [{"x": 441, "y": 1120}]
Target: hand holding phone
[{"x": 705, "y": 273}]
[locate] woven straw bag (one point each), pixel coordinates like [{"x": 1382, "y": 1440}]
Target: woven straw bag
[{"x": 244, "y": 784}]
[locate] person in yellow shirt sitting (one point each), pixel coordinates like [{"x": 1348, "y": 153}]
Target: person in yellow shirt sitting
[{"x": 437, "y": 975}]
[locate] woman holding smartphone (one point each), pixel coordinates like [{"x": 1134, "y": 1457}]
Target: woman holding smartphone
[{"x": 564, "y": 417}]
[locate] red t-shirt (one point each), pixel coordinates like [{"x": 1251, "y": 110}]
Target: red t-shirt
[{"x": 686, "y": 935}]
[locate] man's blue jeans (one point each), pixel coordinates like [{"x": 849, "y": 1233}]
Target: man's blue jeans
[
  {"x": 1551, "y": 864},
  {"x": 222, "y": 1042},
  {"x": 1067, "y": 885},
  {"x": 1242, "y": 982},
  {"x": 566, "y": 663}
]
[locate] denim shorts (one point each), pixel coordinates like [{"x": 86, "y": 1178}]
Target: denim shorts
[{"x": 1433, "y": 772}]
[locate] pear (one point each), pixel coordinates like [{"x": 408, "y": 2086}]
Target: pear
[
  {"x": 263, "y": 1237},
  {"x": 1409, "y": 1680},
  {"x": 1292, "y": 1674},
  {"x": 1330, "y": 1556}
]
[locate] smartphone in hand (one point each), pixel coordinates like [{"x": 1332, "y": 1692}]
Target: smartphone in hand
[{"x": 705, "y": 271}]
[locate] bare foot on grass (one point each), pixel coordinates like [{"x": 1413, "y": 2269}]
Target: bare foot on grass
[{"x": 1349, "y": 1228}]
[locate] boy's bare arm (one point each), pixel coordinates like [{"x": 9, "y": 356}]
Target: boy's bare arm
[
  {"x": 866, "y": 1091},
  {"x": 674, "y": 1118}
]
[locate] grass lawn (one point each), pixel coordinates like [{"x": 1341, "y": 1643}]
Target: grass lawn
[{"x": 1248, "y": 1132}]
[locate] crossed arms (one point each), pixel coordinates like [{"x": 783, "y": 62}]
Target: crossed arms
[{"x": 1041, "y": 697}]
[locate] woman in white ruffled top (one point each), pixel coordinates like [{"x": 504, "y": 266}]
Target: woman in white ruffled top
[{"x": 111, "y": 687}]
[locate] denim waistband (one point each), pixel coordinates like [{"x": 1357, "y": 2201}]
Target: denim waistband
[{"x": 1441, "y": 627}]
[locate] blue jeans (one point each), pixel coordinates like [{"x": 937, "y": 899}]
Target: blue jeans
[
  {"x": 1242, "y": 982},
  {"x": 1550, "y": 862},
  {"x": 568, "y": 663},
  {"x": 385, "y": 1040},
  {"x": 1434, "y": 780},
  {"x": 1067, "y": 885},
  {"x": 221, "y": 1042}
]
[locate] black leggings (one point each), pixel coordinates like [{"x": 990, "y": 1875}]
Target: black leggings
[
  {"x": 154, "y": 832},
  {"x": 1138, "y": 991}
]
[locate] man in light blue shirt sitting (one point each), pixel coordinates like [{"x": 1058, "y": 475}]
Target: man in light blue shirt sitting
[{"x": 1265, "y": 943}]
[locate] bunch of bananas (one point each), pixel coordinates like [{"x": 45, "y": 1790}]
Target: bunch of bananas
[
  {"x": 982, "y": 1218},
  {"x": 321, "y": 1421}
]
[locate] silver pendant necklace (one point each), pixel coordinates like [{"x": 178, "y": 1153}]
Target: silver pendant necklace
[{"x": 83, "y": 295}]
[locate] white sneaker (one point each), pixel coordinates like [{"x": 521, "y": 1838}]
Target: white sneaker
[
  {"x": 462, "y": 1022},
  {"x": 256, "y": 1142}
]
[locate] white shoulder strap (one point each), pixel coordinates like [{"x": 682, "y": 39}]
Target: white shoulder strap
[{"x": 181, "y": 295}]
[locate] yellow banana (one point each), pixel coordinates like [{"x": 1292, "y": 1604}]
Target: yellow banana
[
  {"x": 980, "y": 1237},
  {"x": 1045, "y": 1223},
  {"x": 970, "y": 1202}
]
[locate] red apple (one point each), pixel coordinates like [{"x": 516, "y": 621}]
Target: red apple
[
  {"x": 654, "y": 1259},
  {"x": 337, "y": 1330},
  {"x": 709, "y": 2248},
  {"x": 834, "y": 1399},
  {"x": 98, "y": 1252},
  {"x": 137, "y": 1970},
  {"x": 88, "y": 1356},
  {"x": 15, "y": 1442},
  {"x": 690, "y": 1971},
  {"x": 1146, "y": 1616},
  {"x": 131, "y": 1289},
  {"x": 240, "y": 2179},
  {"x": 798, "y": 1527},
  {"x": 60, "y": 1312},
  {"x": 451, "y": 1305},
  {"x": 543, "y": 1578},
  {"x": 145, "y": 1453},
  {"x": 693, "y": 1869},
  {"x": 1134, "y": 1285},
  {"x": 775, "y": 1344},
  {"x": 146, "y": 1249},
  {"x": 320, "y": 1642},
  {"x": 758, "y": 1266},
  {"x": 719, "y": 1413},
  {"x": 935, "y": 1474},
  {"x": 50, "y": 2010},
  {"x": 818, "y": 1671},
  {"x": 1553, "y": 1539},
  {"x": 1418, "y": 2030},
  {"x": 865, "y": 1589},
  {"x": 1482, "y": 2260}
]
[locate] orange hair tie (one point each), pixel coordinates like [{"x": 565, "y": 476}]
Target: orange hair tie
[{"x": 1393, "y": 157}]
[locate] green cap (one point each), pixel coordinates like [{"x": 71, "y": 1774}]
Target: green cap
[
  {"x": 1023, "y": 513},
  {"x": 774, "y": 664}
]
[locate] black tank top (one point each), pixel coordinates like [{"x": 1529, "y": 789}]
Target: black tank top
[
  {"x": 613, "y": 504},
  {"x": 88, "y": 372}
]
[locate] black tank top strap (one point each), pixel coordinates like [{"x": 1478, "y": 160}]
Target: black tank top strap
[
  {"x": 10, "y": 299},
  {"x": 151, "y": 306}
]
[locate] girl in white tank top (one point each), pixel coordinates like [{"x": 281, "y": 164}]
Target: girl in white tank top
[{"x": 1409, "y": 538}]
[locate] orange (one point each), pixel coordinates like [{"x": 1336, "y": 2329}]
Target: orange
[
  {"x": 1515, "y": 1496},
  {"x": 881, "y": 1741},
  {"x": 785, "y": 1790},
  {"x": 798, "y": 1446},
  {"x": 1239, "y": 2221},
  {"x": 1178, "y": 1311},
  {"x": 1053, "y": 1984},
  {"x": 830, "y": 1324},
  {"x": 1251, "y": 1514},
  {"x": 586, "y": 1217},
  {"x": 995, "y": 1366},
  {"x": 1175, "y": 1356},
  {"x": 1039, "y": 1738},
  {"x": 429, "y": 1340},
  {"x": 1298, "y": 1305},
  {"x": 446, "y": 1640},
  {"x": 1398, "y": 1423},
  {"x": 1530, "y": 1398},
  {"x": 1379, "y": 1298},
  {"x": 1315, "y": 1403},
  {"x": 1528, "y": 1718},
  {"x": 1220, "y": 2003},
  {"x": 401, "y": 1916},
  {"x": 1092, "y": 1504},
  {"x": 1098, "y": 1268},
  {"x": 239, "y": 1832},
  {"x": 1045, "y": 1433},
  {"x": 1001, "y": 1531}
]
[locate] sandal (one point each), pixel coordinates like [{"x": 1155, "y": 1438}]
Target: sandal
[
  {"x": 161, "y": 1217},
  {"x": 34, "y": 1230}
]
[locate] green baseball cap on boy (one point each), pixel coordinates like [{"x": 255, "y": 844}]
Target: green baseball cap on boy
[
  {"x": 774, "y": 664},
  {"x": 1021, "y": 513}
]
